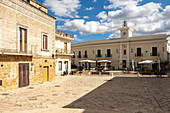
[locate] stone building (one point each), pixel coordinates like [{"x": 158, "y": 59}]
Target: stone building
[
  {"x": 27, "y": 44},
  {"x": 63, "y": 52},
  {"x": 124, "y": 50}
]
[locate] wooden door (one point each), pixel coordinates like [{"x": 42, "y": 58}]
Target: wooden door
[
  {"x": 23, "y": 74},
  {"x": 46, "y": 73}
]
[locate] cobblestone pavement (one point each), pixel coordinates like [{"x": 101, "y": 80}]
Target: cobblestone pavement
[
  {"x": 89, "y": 94},
  {"x": 56, "y": 94}
]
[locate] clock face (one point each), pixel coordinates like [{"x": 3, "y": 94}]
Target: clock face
[{"x": 124, "y": 33}]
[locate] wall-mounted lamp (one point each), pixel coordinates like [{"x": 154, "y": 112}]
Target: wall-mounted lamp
[
  {"x": 2, "y": 65},
  {"x": 117, "y": 50},
  {"x": 131, "y": 50}
]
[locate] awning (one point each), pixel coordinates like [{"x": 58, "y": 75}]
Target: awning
[
  {"x": 103, "y": 61},
  {"x": 147, "y": 62},
  {"x": 88, "y": 61}
]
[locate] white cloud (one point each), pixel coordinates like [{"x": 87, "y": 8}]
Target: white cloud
[
  {"x": 149, "y": 18},
  {"x": 94, "y": 0},
  {"x": 86, "y": 17},
  {"x": 90, "y": 8},
  {"x": 121, "y": 3},
  {"x": 77, "y": 39},
  {"x": 90, "y": 27},
  {"x": 63, "y": 8}
]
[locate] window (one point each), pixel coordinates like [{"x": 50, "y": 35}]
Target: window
[
  {"x": 60, "y": 66},
  {"x": 154, "y": 51},
  {"x": 99, "y": 53},
  {"x": 45, "y": 42},
  {"x": 66, "y": 65},
  {"x": 22, "y": 40},
  {"x": 79, "y": 55},
  {"x": 73, "y": 55},
  {"x": 124, "y": 52},
  {"x": 85, "y": 54},
  {"x": 65, "y": 47},
  {"x": 108, "y": 53},
  {"x": 139, "y": 52}
]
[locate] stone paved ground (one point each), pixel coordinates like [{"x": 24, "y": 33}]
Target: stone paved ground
[{"x": 89, "y": 94}]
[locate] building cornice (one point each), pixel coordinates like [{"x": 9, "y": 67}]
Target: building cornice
[{"x": 123, "y": 40}]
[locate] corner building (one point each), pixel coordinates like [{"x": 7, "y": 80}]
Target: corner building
[
  {"x": 27, "y": 44},
  {"x": 123, "y": 49}
]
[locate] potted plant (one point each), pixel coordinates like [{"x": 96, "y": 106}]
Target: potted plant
[
  {"x": 80, "y": 73},
  {"x": 75, "y": 73}
]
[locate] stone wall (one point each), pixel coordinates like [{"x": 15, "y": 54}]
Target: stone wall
[{"x": 9, "y": 72}]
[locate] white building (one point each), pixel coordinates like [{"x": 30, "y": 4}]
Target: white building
[{"x": 63, "y": 52}]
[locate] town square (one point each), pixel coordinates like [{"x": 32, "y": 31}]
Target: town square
[{"x": 84, "y": 56}]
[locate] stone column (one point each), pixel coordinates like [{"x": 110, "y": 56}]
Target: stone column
[
  {"x": 165, "y": 51},
  {"x": 127, "y": 54},
  {"x": 120, "y": 60}
]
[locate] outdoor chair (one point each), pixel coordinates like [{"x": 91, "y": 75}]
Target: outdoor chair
[
  {"x": 95, "y": 73},
  {"x": 105, "y": 73}
]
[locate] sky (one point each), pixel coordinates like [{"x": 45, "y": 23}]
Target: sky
[{"x": 101, "y": 19}]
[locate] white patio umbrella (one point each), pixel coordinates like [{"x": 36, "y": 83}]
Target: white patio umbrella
[
  {"x": 146, "y": 62},
  {"x": 103, "y": 61},
  {"x": 88, "y": 61}
]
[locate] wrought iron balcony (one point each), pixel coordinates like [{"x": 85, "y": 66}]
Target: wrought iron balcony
[
  {"x": 78, "y": 56},
  {"x": 154, "y": 54},
  {"x": 98, "y": 55},
  {"x": 139, "y": 55},
  {"x": 108, "y": 55},
  {"x": 85, "y": 56},
  {"x": 73, "y": 56}
]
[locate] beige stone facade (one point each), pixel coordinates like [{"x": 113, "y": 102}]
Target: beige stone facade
[
  {"x": 19, "y": 18},
  {"x": 124, "y": 49}
]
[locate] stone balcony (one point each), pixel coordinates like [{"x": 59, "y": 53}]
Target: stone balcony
[{"x": 15, "y": 52}]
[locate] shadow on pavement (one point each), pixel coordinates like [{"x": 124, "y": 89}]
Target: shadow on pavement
[{"x": 127, "y": 95}]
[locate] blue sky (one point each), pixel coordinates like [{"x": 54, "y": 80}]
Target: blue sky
[{"x": 102, "y": 19}]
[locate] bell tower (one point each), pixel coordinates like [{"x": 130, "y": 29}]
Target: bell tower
[{"x": 125, "y": 31}]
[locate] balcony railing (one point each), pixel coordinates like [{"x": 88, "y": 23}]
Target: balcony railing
[
  {"x": 108, "y": 55},
  {"x": 73, "y": 56},
  {"x": 63, "y": 51},
  {"x": 154, "y": 54},
  {"x": 14, "y": 51},
  {"x": 85, "y": 56},
  {"x": 138, "y": 55},
  {"x": 78, "y": 56},
  {"x": 98, "y": 55}
]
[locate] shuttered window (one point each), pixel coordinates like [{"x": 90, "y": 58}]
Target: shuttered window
[
  {"x": 23, "y": 40},
  {"x": 45, "y": 42}
]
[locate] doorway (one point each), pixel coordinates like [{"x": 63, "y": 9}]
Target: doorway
[
  {"x": 23, "y": 74},
  {"x": 46, "y": 73},
  {"x": 124, "y": 63}
]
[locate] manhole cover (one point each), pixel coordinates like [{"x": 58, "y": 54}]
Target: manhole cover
[
  {"x": 54, "y": 94},
  {"x": 57, "y": 86}
]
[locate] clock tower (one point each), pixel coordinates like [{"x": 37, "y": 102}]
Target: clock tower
[{"x": 125, "y": 31}]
